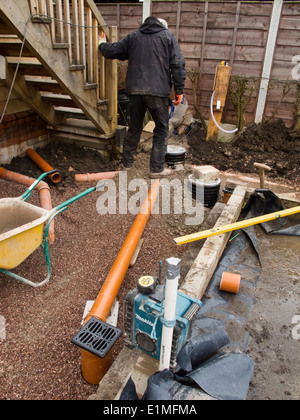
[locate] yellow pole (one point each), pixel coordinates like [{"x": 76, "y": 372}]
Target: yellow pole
[{"x": 234, "y": 226}]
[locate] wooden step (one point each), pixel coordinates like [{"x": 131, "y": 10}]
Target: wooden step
[
  {"x": 10, "y": 45},
  {"x": 28, "y": 66},
  {"x": 84, "y": 128},
  {"x": 4, "y": 28},
  {"x": 58, "y": 99},
  {"x": 70, "y": 112},
  {"x": 44, "y": 84},
  {"x": 83, "y": 133}
]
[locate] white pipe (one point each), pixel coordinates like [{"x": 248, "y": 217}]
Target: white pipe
[
  {"x": 268, "y": 60},
  {"x": 171, "y": 287},
  {"x": 213, "y": 117}
]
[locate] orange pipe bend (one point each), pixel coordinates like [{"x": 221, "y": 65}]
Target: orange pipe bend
[
  {"x": 43, "y": 165},
  {"x": 95, "y": 177},
  {"x": 94, "y": 368},
  {"x": 42, "y": 188}
]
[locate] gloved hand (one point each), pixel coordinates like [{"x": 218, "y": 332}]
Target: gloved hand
[
  {"x": 178, "y": 99},
  {"x": 101, "y": 38}
]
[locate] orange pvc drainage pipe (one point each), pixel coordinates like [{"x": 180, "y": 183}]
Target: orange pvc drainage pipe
[
  {"x": 42, "y": 188},
  {"x": 43, "y": 165},
  {"x": 93, "y": 367},
  {"x": 230, "y": 282},
  {"x": 95, "y": 177}
]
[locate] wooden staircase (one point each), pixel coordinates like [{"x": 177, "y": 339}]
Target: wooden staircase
[{"x": 60, "y": 74}]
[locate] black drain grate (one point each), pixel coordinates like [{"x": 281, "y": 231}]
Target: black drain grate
[{"x": 97, "y": 337}]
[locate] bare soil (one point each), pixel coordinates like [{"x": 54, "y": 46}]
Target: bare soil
[
  {"x": 37, "y": 359},
  {"x": 270, "y": 143}
]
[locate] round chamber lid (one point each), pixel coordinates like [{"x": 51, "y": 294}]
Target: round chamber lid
[{"x": 173, "y": 149}]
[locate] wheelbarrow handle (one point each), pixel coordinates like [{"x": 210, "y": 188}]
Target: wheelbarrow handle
[
  {"x": 27, "y": 193},
  {"x": 63, "y": 206}
]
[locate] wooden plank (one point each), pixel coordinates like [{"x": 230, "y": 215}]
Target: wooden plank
[
  {"x": 27, "y": 65},
  {"x": 67, "y": 18},
  {"x": 11, "y": 45},
  {"x": 95, "y": 55},
  {"x": 220, "y": 88},
  {"x": 50, "y": 11},
  {"x": 288, "y": 38},
  {"x": 69, "y": 112},
  {"x": 48, "y": 85},
  {"x": 111, "y": 78},
  {"x": 82, "y": 35},
  {"x": 234, "y": 38},
  {"x": 58, "y": 99},
  {"x": 75, "y": 19},
  {"x": 60, "y": 26},
  {"x": 89, "y": 46}
]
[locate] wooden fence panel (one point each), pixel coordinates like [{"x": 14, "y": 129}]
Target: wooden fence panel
[{"x": 235, "y": 31}]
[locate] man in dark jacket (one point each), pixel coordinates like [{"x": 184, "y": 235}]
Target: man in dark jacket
[{"x": 155, "y": 61}]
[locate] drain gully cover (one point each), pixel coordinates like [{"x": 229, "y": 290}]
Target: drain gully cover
[{"x": 97, "y": 337}]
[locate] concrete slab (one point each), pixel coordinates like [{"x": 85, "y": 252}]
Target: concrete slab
[{"x": 207, "y": 260}]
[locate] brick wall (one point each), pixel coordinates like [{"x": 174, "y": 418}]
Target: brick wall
[{"x": 20, "y": 131}]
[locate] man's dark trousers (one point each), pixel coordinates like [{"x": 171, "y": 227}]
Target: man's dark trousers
[{"x": 159, "y": 109}]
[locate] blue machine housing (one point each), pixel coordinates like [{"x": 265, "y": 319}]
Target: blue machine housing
[{"x": 144, "y": 321}]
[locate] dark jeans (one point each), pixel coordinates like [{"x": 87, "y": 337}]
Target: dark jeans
[{"x": 159, "y": 109}]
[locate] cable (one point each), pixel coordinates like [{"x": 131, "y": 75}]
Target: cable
[
  {"x": 213, "y": 117},
  {"x": 36, "y": 15},
  {"x": 15, "y": 74},
  {"x": 42, "y": 16}
]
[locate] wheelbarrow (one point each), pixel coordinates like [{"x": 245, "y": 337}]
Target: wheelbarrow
[{"x": 22, "y": 230}]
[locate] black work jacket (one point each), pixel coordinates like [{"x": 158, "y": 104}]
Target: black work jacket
[{"x": 154, "y": 59}]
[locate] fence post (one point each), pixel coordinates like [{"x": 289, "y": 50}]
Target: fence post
[
  {"x": 268, "y": 61},
  {"x": 146, "y": 9}
]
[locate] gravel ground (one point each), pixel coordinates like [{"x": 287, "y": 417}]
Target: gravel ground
[{"x": 37, "y": 359}]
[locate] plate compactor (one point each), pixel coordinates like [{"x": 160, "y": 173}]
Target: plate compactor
[{"x": 144, "y": 318}]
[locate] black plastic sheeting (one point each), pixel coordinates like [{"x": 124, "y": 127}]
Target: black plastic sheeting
[
  {"x": 199, "y": 348},
  {"x": 224, "y": 377},
  {"x": 263, "y": 202},
  {"x": 210, "y": 359}
]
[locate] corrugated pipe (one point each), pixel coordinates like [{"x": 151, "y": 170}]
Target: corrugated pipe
[
  {"x": 95, "y": 177},
  {"x": 42, "y": 188},
  {"x": 43, "y": 165},
  {"x": 93, "y": 367}
]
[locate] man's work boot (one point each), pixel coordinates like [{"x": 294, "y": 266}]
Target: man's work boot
[{"x": 165, "y": 172}]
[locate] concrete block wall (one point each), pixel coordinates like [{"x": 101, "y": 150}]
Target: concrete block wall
[{"x": 20, "y": 131}]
